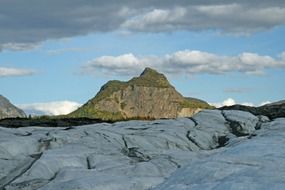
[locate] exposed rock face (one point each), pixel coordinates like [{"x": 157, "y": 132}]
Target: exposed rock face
[
  {"x": 203, "y": 152},
  {"x": 272, "y": 110},
  {"x": 149, "y": 96},
  {"x": 8, "y": 110}
]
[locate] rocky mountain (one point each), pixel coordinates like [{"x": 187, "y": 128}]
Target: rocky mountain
[
  {"x": 272, "y": 110},
  {"x": 215, "y": 149},
  {"x": 8, "y": 110},
  {"x": 149, "y": 96}
]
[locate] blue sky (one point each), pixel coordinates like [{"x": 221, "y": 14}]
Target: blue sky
[{"x": 238, "y": 57}]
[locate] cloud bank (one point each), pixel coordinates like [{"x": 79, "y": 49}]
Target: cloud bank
[
  {"x": 231, "y": 101},
  {"x": 8, "y": 71},
  {"x": 23, "y": 25},
  {"x": 50, "y": 108},
  {"x": 186, "y": 61},
  {"x": 231, "y": 17}
]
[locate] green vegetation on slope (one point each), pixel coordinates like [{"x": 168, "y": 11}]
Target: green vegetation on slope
[
  {"x": 195, "y": 103},
  {"x": 108, "y": 89},
  {"x": 150, "y": 78},
  {"x": 92, "y": 112}
]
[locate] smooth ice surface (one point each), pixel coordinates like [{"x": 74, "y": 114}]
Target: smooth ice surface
[{"x": 201, "y": 152}]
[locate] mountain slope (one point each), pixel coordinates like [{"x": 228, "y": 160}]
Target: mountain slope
[
  {"x": 149, "y": 96},
  {"x": 8, "y": 110}
]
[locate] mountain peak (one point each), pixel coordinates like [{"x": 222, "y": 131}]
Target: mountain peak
[
  {"x": 149, "y": 95},
  {"x": 150, "y": 78},
  {"x": 149, "y": 71}
]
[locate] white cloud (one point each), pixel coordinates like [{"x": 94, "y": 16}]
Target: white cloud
[
  {"x": 19, "y": 46},
  {"x": 50, "y": 108},
  {"x": 231, "y": 101},
  {"x": 8, "y": 71},
  {"x": 126, "y": 64},
  {"x": 186, "y": 61},
  {"x": 165, "y": 19},
  {"x": 227, "y": 102},
  {"x": 232, "y": 17},
  {"x": 265, "y": 102}
]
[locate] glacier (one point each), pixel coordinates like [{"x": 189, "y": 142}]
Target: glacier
[{"x": 213, "y": 150}]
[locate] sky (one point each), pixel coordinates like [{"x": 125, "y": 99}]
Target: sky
[{"x": 56, "y": 54}]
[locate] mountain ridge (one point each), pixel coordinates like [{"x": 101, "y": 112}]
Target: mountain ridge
[{"x": 272, "y": 110}]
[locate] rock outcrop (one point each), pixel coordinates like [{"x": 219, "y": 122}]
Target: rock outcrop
[
  {"x": 149, "y": 96},
  {"x": 8, "y": 110}
]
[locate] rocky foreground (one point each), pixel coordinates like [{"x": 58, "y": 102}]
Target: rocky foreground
[{"x": 216, "y": 149}]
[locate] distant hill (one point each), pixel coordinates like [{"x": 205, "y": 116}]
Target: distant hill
[
  {"x": 272, "y": 110},
  {"x": 149, "y": 96},
  {"x": 8, "y": 110}
]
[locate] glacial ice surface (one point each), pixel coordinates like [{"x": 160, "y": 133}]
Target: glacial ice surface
[{"x": 213, "y": 150}]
